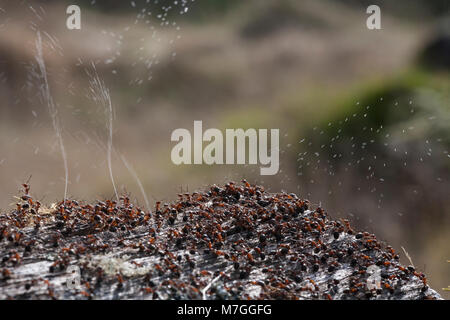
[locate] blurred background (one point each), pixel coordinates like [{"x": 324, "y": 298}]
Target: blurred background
[{"x": 364, "y": 115}]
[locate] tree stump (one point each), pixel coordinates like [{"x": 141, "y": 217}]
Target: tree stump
[{"x": 230, "y": 242}]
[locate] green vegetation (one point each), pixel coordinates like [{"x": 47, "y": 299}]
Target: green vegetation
[{"x": 391, "y": 103}]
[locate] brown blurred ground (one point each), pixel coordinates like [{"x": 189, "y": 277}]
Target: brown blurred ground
[{"x": 265, "y": 65}]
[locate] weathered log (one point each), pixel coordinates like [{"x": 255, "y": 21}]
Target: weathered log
[{"x": 235, "y": 242}]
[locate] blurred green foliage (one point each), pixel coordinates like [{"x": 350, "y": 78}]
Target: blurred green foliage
[
  {"x": 387, "y": 103},
  {"x": 380, "y": 120}
]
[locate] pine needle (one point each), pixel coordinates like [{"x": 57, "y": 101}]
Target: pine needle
[{"x": 408, "y": 256}]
